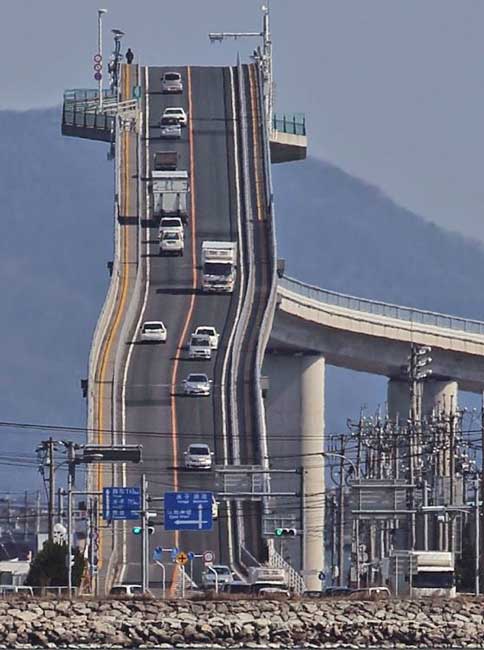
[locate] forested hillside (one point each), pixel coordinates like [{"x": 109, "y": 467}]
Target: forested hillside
[{"x": 56, "y": 198}]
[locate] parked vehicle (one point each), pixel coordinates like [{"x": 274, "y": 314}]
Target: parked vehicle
[
  {"x": 171, "y": 243},
  {"x": 214, "y": 509},
  {"x": 171, "y": 82},
  {"x": 170, "y": 193},
  {"x": 170, "y": 128},
  {"x": 422, "y": 573},
  {"x": 236, "y": 587},
  {"x": 176, "y": 112},
  {"x": 199, "y": 347},
  {"x": 219, "y": 259},
  {"x": 153, "y": 331},
  {"x": 211, "y": 332},
  {"x": 198, "y": 456},
  {"x": 273, "y": 591},
  {"x": 126, "y": 590},
  {"x": 224, "y": 576},
  {"x": 165, "y": 161},
  {"x": 370, "y": 593},
  {"x": 267, "y": 580},
  {"x": 197, "y": 384}
]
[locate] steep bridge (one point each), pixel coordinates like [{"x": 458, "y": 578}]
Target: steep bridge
[{"x": 276, "y": 327}]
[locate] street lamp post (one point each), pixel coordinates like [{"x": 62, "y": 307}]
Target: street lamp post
[
  {"x": 343, "y": 458},
  {"x": 100, "y": 13}
]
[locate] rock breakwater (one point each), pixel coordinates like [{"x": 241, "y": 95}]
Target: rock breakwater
[{"x": 243, "y": 623}]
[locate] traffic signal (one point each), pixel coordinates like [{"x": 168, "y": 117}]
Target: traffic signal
[
  {"x": 285, "y": 532},
  {"x": 137, "y": 530}
]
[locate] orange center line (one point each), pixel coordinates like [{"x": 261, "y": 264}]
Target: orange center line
[{"x": 193, "y": 230}]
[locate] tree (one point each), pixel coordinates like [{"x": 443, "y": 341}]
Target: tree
[
  {"x": 464, "y": 566},
  {"x": 49, "y": 567}
]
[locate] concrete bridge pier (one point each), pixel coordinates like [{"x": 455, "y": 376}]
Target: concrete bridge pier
[
  {"x": 438, "y": 395},
  {"x": 295, "y": 422}
]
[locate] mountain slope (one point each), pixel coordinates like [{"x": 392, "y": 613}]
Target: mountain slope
[
  {"x": 337, "y": 232},
  {"x": 56, "y": 199}
]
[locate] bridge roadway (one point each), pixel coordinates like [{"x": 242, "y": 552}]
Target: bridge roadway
[
  {"x": 373, "y": 336},
  {"x": 156, "y": 413}
]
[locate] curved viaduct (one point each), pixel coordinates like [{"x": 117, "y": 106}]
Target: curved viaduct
[{"x": 282, "y": 328}]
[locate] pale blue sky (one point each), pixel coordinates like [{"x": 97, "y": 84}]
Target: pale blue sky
[{"x": 393, "y": 89}]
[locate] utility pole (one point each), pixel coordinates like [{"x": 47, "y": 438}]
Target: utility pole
[
  {"x": 70, "y": 483},
  {"x": 50, "y": 455},
  {"x": 417, "y": 373},
  {"x": 481, "y": 518},
  {"x": 477, "y": 541},
  {"x": 26, "y": 508},
  {"x": 341, "y": 518},
  {"x": 144, "y": 535}
]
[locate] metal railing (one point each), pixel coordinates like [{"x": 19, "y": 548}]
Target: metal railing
[
  {"x": 292, "y": 123},
  {"x": 80, "y": 110},
  {"x": 378, "y": 308},
  {"x": 294, "y": 579}
]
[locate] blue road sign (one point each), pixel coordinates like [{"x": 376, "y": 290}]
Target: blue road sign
[
  {"x": 157, "y": 554},
  {"x": 188, "y": 510},
  {"x": 121, "y": 503},
  {"x": 174, "y": 553}
]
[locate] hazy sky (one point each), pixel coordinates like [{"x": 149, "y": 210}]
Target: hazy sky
[{"x": 393, "y": 90}]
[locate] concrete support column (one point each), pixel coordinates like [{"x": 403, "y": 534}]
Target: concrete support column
[
  {"x": 438, "y": 394},
  {"x": 398, "y": 399},
  {"x": 313, "y": 483},
  {"x": 295, "y": 422}
]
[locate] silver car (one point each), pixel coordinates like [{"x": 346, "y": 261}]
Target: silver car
[
  {"x": 170, "y": 127},
  {"x": 198, "y": 456},
  {"x": 171, "y": 82},
  {"x": 224, "y": 576},
  {"x": 197, "y": 384}
]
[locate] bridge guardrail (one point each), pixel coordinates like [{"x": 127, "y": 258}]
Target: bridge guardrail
[
  {"x": 292, "y": 123},
  {"x": 80, "y": 110},
  {"x": 379, "y": 308}
]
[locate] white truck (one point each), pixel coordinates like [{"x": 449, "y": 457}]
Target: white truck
[
  {"x": 170, "y": 193},
  {"x": 219, "y": 260},
  {"x": 199, "y": 347},
  {"x": 267, "y": 580},
  {"x": 422, "y": 573}
]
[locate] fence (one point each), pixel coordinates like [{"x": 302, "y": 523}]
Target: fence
[
  {"x": 292, "y": 123},
  {"x": 417, "y": 316},
  {"x": 80, "y": 110}
]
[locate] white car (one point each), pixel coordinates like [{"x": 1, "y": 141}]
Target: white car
[
  {"x": 198, "y": 456},
  {"x": 172, "y": 224},
  {"x": 199, "y": 347},
  {"x": 153, "y": 330},
  {"x": 197, "y": 383},
  {"x": 211, "y": 332},
  {"x": 171, "y": 82},
  {"x": 273, "y": 591},
  {"x": 171, "y": 242},
  {"x": 224, "y": 576},
  {"x": 177, "y": 113},
  {"x": 170, "y": 127},
  {"x": 126, "y": 590}
]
